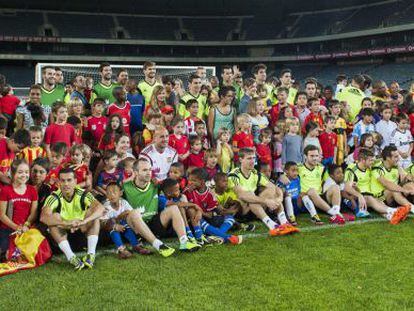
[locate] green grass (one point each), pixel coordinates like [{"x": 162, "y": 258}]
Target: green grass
[{"x": 365, "y": 266}]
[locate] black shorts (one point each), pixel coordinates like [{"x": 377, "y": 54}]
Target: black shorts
[
  {"x": 158, "y": 229},
  {"x": 248, "y": 217}
]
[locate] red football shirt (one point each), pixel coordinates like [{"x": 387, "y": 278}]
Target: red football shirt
[
  {"x": 81, "y": 172},
  {"x": 205, "y": 200},
  {"x": 328, "y": 143},
  {"x": 6, "y": 156},
  {"x": 195, "y": 160},
  {"x": 96, "y": 126},
  {"x": 124, "y": 112},
  {"x": 242, "y": 140},
  {"x": 18, "y": 205},
  {"x": 264, "y": 154},
  {"x": 60, "y": 133},
  {"x": 315, "y": 117},
  {"x": 181, "y": 145},
  {"x": 8, "y": 104}
]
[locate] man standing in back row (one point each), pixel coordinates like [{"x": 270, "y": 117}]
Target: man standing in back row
[
  {"x": 50, "y": 91},
  {"x": 147, "y": 85}
]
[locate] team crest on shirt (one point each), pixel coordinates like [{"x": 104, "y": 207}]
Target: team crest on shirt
[
  {"x": 169, "y": 159},
  {"x": 94, "y": 127}
]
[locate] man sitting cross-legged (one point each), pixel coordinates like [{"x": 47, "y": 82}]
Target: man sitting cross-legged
[
  {"x": 358, "y": 177},
  {"x": 258, "y": 195},
  {"x": 70, "y": 209}
]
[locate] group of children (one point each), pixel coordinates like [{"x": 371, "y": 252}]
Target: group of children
[{"x": 304, "y": 145}]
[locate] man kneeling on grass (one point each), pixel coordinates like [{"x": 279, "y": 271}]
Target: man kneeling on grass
[
  {"x": 358, "y": 177},
  {"x": 258, "y": 195},
  {"x": 70, "y": 209}
]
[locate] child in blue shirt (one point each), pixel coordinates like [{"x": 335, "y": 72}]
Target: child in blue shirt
[{"x": 294, "y": 203}]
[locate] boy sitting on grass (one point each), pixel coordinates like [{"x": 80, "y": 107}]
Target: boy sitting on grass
[
  {"x": 115, "y": 221},
  {"x": 189, "y": 211},
  {"x": 216, "y": 221}
]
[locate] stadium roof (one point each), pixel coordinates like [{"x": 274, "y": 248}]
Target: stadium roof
[{"x": 185, "y": 7}]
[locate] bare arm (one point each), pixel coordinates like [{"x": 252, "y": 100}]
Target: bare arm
[
  {"x": 51, "y": 219},
  {"x": 210, "y": 122},
  {"x": 4, "y": 218},
  {"x": 97, "y": 212},
  {"x": 33, "y": 212}
]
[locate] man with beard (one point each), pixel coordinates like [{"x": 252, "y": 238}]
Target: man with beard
[
  {"x": 104, "y": 88},
  {"x": 194, "y": 88},
  {"x": 147, "y": 85},
  {"x": 79, "y": 85},
  {"x": 122, "y": 77},
  {"x": 50, "y": 91}
]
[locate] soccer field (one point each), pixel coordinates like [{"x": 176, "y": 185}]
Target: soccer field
[{"x": 365, "y": 265}]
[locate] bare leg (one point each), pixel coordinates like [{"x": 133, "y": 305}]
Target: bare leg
[
  {"x": 172, "y": 214},
  {"x": 139, "y": 226}
]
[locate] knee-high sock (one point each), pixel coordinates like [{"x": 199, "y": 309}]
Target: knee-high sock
[
  {"x": 227, "y": 224},
  {"x": 211, "y": 230}
]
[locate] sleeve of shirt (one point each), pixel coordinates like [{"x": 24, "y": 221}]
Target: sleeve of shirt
[
  {"x": 48, "y": 135},
  {"x": 377, "y": 172},
  {"x": 89, "y": 199},
  {"x": 357, "y": 130},
  {"x": 211, "y": 202},
  {"x": 72, "y": 135},
  {"x": 162, "y": 202},
  {"x": 4, "y": 195},
  {"x": 233, "y": 181},
  {"x": 349, "y": 175},
  {"x": 126, "y": 205},
  {"x": 263, "y": 181},
  {"x": 51, "y": 202},
  {"x": 99, "y": 182},
  {"x": 35, "y": 196}
]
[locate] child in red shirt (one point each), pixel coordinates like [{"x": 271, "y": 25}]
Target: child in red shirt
[
  {"x": 201, "y": 131},
  {"x": 264, "y": 153},
  {"x": 76, "y": 122},
  {"x": 314, "y": 115},
  {"x": 178, "y": 140},
  {"x": 82, "y": 173},
  {"x": 113, "y": 127},
  {"x": 192, "y": 108},
  {"x": 24, "y": 204},
  {"x": 8, "y": 147},
  {"x": 57, "y": 158},
  {"x": 196, "y": 157},
  {"x": 274, "y": 112},
  {"x": 96, "y": 123},
  {"x": 60, "y": 131},
  {"x": 8, "y": 106},
  {"x": 243, "y": 137},
  {"x": 328, "y": 141},
  {"x": 121, "y": 107}
]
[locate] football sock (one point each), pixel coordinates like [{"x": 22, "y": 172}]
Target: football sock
[
  {"x": 269, "y": 222},
  {"x": 189, "y": 232},
  {"x": 183, "y": 239},
  {"x": 289, "y": 207},
  {"x": 309, "y": 206},
  {"x": 337, "y": 209},
  {"x": 157, "y": 244},
  {"x": 227, "y": 224},
  {"x": 116, "y": 238},
  {"x": 92, "y": 242},
  {"x": 412, "y": 208},
  {"x": 211, "y": 230},
  {"x": 198, "y": 232},
  {"x": 66, "y": 249},
  {"x": 332, "y": 211},
  {"x": 130, "y": 236},
  {"x": 282, "y": 217}
]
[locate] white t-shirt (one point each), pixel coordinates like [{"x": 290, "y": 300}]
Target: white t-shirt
[
  {"x": 385, "y": 128},
  {"x": 330, "y": 182},
  {"x": 160, "y": 162},
  {"x": 113, "y": 213},
  {"x": 401, "y": 140}
]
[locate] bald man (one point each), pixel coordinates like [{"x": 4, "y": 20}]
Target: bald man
[{"x": 160, "y": 155}]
